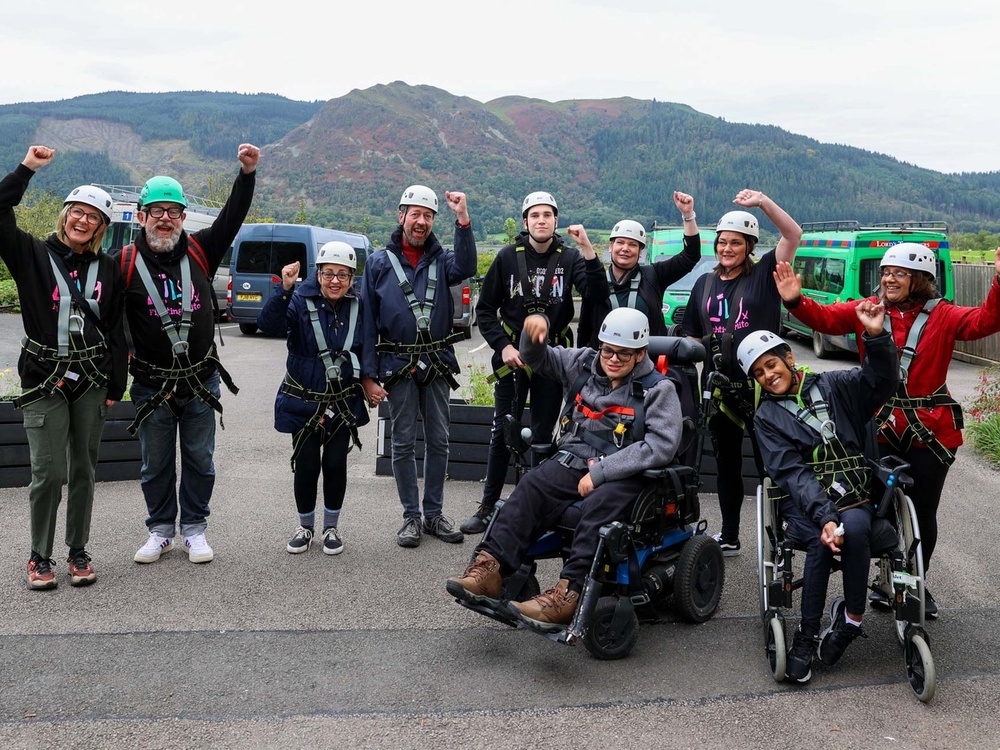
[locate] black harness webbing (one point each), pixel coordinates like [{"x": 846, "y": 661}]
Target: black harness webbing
[
  {"x": 73, "y": 308},
  {"x": 738, "y": 391},
  {"x": 333, "y": 402},
  {"x": 182, "y": 370},
  {"x": 425, "y": 345},
  {"x": 901, "y": 399},
  {"x": 842, "y": 475}
]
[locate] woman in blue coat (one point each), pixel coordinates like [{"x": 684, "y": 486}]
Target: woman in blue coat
[{"x": 320, "y": 401}]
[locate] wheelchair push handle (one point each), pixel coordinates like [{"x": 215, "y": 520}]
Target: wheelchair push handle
[{"x": 890, "y": 471}]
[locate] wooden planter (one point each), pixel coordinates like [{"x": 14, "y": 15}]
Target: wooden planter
[
  {"x": 468, "y": 445},
  {"x": 120, "y": 456}
]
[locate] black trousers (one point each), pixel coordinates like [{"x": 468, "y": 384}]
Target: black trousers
[
  {"x": 928, "y": 475},
  {"x": 537, "y": 503},
  {"x": 333, "y": 464}
]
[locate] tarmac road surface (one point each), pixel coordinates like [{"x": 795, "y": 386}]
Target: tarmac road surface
[{"x": 264, "y": 649}]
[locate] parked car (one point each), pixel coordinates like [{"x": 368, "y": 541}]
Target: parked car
[
  {"x": 220, "y": 283},
  {"x": 665, "y": 241},
  {"x": 465, "y": 295}
]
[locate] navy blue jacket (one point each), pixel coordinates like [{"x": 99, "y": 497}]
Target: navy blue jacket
[
  {"x": 285, "y": 313},
  {"x": 386, "y": 312}
]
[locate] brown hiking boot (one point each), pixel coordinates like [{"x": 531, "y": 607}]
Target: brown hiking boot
[
  {"x": 481, "y": 578},
  {"x": 552, "y": 607}
]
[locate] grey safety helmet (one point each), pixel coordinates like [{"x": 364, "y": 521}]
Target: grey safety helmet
[
  {"x": 419, "y": 195},
  {"x": 538, "y": 198},
  {"x": 625, "y": 326},
  {"x": 632, "y": 230},
  {"x": 754, "y": 345},
  {"x": 743, "y": 222},
  {"x": 911, "y": 255},
  {"x": 92, "y": 196},
  {"x": 337, "y": 252}
]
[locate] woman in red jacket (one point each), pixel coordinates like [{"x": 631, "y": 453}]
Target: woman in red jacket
[{"x": 921, "y": 423}]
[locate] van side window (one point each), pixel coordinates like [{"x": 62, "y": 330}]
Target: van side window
[
  {"x": 821, "y": 274},
  {"x": 265, "y": 257}
]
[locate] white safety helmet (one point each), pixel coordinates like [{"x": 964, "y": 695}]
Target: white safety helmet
[
  {"x": 911, "y": 255},
  {"x": 419, "y": 195},
  {"x": 337, "y": 252},
  {"x": 629, "y": 229},
  {"x": 743, "y": 222},
  {"x": 625, "y": 326},
  {"x": 754, "y": 345},
  {"x": 538, "y": 199},
  {"x": 92, "y": 196}
]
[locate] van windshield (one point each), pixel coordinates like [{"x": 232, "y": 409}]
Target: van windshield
[{"x": 267, "y": 257}]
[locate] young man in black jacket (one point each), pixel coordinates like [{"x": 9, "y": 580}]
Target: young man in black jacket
[{"x": 535, "y": 275}]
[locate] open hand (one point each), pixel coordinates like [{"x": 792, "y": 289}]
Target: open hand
[{"x": 788, "y": 282}]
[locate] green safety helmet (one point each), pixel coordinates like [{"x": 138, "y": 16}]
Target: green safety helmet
[{"x": 162, "y": 189}]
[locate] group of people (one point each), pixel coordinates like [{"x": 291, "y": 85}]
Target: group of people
[{"x": 352, "y": 346}]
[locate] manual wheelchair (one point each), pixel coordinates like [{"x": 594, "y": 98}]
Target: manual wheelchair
[
  {"x": 660, "y": 549},
  {"x": 895, "y": 543}
]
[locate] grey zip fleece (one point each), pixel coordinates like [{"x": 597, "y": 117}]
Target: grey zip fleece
[{"x": 663, "y": 420}]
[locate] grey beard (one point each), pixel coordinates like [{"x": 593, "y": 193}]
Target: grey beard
[{"x": 158, "y": 245}]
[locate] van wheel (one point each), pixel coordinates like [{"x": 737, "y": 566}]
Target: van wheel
[
  {"x": 248, "y": 328},
  {"x": 819, "y": 346}
]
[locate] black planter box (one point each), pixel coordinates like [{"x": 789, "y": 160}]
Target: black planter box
[
  {"x": 468, "y": 443},
  {"x": 120, "y": 456}
]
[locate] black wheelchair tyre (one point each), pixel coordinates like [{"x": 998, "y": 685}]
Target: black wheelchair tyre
[
  {"x": 920, "y": 672},
  {"x": 774, "y": 646},
  {"x": 700, "y": 576},
  {"x": 602, "y": 640}
]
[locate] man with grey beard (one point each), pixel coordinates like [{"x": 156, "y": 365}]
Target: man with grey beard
[{"x": 175, "y": 366}]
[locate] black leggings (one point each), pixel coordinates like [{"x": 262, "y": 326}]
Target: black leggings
[
  {"x": 333, "y": 464},
  {"x": 928, "y": 475}
]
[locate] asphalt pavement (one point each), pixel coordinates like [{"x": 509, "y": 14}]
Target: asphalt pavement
[{"x": 264, "y": 649}]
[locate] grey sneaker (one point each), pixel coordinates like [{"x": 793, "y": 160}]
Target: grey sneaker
[
  {"x": 444, "y": 529},
  {"x": 332, "y": 543},
  {"x": 409, "y": 535}
]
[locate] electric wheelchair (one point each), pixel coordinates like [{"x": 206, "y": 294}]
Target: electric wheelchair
[
  {"x": 660, "y": 549},
  {"x": 895, "y": 543}
]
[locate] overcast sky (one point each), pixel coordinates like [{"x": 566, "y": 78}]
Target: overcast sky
[{"x": 911, "y": 78}]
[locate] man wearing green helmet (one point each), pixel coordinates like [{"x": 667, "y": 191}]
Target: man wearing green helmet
[{"x": 175, "y": 367}]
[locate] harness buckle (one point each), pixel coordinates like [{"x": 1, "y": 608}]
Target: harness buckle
[
  {"x": 423, "y": 322},
  {"x": 333, "y": 372},
  {"x": 76, "y": 323},
  {"x": 180, "y": 348},
  {"x": 828, "y": 430}
]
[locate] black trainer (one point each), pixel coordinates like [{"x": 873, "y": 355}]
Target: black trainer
[
  {"x": 478, "y": 521},
  {"x": 798, "y": 663},
  {"x": 841, "y": 634},
  {"x": 444, "y": 529}
]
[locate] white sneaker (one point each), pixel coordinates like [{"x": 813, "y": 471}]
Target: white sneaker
[
  {"x": 197, "y": 548},
  {"x": 155, "y": 546}
]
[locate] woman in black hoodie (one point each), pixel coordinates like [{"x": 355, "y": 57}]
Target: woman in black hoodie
[{"x": 73, "y": 359}]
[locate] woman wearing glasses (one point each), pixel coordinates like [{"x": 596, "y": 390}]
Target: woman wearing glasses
[
  {"x": 320, "y": 401},
  {"x": 921, "y": 423},
  {"x": 73, "y": 360}
]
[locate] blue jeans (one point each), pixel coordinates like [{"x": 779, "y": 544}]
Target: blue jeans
[
  {"x": 158, "y": 435},
  {"x": 407, "y": 401}
]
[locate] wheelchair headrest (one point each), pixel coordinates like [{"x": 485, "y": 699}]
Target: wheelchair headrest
[{"x": 679, "y": 350}]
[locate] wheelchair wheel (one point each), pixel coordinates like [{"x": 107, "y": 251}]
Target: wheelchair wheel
[
  {"x": 700, "y": 576},
  {"x": 920, "y": 667},
  {"x": 909, "y": 530},
  {"x": 766, "y": 552},
  {"x": 774, "y": 640},
  {"x": 602, "y": 639}
]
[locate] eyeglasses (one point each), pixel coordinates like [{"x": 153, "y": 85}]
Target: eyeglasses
[
  {"x": 897, "y": 275},
  {"x": 338, "y": 275},
  {"x": 78, "y": 213},
  {"x": 623, "y": 355},
  {"x": 174, "y": 212}
]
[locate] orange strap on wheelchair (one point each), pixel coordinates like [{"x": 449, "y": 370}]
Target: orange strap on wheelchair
[{"x": 626, "y": 411}]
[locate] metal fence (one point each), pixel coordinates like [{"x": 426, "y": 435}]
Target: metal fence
[{"x": 972, "y": 281}]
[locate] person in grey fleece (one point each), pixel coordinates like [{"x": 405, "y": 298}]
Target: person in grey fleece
[{"x": 625, "y": 419}]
